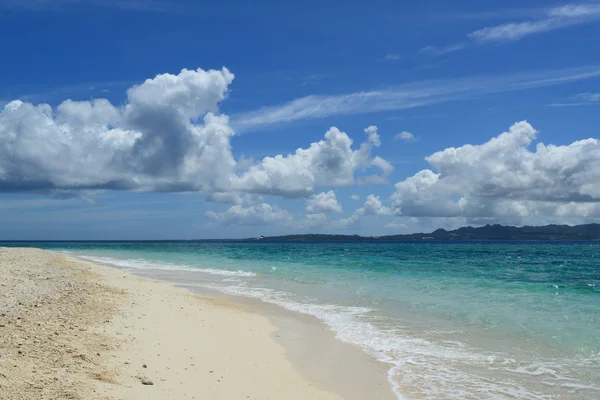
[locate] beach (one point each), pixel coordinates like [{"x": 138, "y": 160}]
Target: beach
[
  {"x": 274, "y": 320},
  {"x": 76, "y": 330}
]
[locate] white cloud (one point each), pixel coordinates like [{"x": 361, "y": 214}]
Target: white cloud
[
  {"x": 260, "y": 214},
  {"x": 373, "y": 206},
  {"x": 396, "y": 225},
  {"x": 516, "y": 31},
  {"x": 323, "y": 202},
  {"x": 329, "y": 162},
  {"x": 440, "y": 51},
  {"x": 405, "y": 96},
  {"x": 581, "y": 99},
  {"x": 547, "y": 20},
  {"x": 391, "y": 57},
  {"x": 590, "y": 97},
  {"x": 575, "y": 11},
  {"x": 313, "y": 221},
  {"x": 166, "y": 137},
  {"x": 266, "y": 215},
  {"x": 244, "y": 163},
  {"x": 406, "y": 136},
  {"x": 346, "y": 222},
  {"x": 373, "y": 135},
  {"x": 149, "y": 143},
  {"x": 355, "y": 197},
  {"x": 504, "y": 179}
]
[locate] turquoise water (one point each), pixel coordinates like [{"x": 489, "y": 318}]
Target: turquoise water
[{"x": 452, "y": 320}]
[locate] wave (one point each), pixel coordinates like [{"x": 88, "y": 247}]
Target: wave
[
  {"x": 145, "y": 264},
  {"x": 421, "y": 364},
  {"x": 419, "y": 367}
]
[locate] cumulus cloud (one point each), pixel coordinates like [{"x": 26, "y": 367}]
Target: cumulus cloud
[
  {"x": 244, "y": 163},
  {"x": 505, "y": 178},
  {"x": 267, "y": 215},
  {"x": 260, "y": 214},
  {"x": 150, "y": 143},
  {"x": 323, "y": 202},
  {"x": 167, "y": 136},
  {"x": 373, "y": 206},
  {"x": 346, "y": 222},
  {"x": 406, "y": 136},
  {"x": 385, "y": 167},
  {"x": 373, "y": 135},
  {"x": 313, "y": 221},
  {"x": 355, "y": 197},
  {"x": 396, "y": 225},
  {"x": 331, "y": 161}
]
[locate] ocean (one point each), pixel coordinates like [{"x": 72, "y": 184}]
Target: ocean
[{"x": 450, "y": 320}]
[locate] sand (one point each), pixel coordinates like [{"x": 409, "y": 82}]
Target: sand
[
  {"x": 75, "y": 330},
  {"x": 49, "y": 308}
]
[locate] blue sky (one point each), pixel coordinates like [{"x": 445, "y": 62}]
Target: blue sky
[{"x": 437, "y": 81}]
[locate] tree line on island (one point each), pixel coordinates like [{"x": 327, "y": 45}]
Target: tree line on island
[{"x": 487, "y": 232}]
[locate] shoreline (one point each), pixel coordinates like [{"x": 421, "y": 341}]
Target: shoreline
[
  {"x": 196, "y": 345},
  {"x": 309, "y": 344}
]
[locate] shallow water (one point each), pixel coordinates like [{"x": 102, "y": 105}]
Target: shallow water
[{"x": 452, "y": 320}]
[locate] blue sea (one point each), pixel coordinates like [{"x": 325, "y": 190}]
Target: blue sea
[{"x": 450, "y": 320}]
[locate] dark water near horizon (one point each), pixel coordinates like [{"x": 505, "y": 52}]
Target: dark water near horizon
[{"x": 477, "y": 320}]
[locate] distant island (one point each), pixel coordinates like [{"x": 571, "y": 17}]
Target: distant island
[{"x": 488, "y": 232}]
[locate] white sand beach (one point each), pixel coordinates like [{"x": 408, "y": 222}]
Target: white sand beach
[{"x": 76, "y": 330}]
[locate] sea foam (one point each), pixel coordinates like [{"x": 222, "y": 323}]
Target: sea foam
[
  {"x": 457, "y": 359},
  {"x": 144, "y": 264},
  {"x": 433, "y": 367}
]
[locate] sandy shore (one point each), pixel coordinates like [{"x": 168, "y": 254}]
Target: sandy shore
[{"x": 74, "y": 330}]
